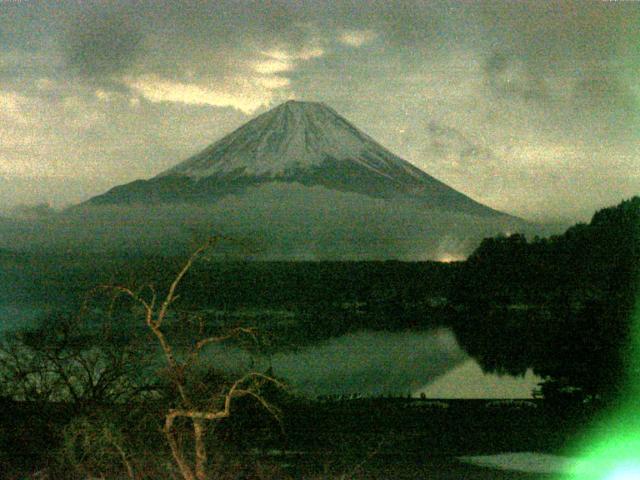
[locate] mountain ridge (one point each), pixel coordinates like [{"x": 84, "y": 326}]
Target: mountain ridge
[{"x": 296, "y": 142}]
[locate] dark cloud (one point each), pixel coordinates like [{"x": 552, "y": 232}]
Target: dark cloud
[
  {"x": 609, "y": 103},
  {"x": 413, "y": 25},
  {"x": 560, "y": 33},
  {"x": 603, "y": 89},
  {"x": 530, "y": 44},
  {"x": 101, "y": 42},
  {"x": 507, "y": 75}
]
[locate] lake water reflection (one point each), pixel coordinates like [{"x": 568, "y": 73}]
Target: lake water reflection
[
  {"x": 367, "y": 363},
  {"x": 397, "y": 363}
]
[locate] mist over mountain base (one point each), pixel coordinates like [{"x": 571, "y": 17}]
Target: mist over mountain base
[{"x": 274, "y": 221}]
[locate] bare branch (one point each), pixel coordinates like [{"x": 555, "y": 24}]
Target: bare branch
[
  {"x": 194, "y": 467},
  {"x": 174, "y": 285},
  {"x": 121, "y": 452},
  {"x": 127, "y": 291},
  {"x": 176, "y": 451},
  {"x": 197, "y": 414},
  {"x": 272, "y": 409},
  {"x": 219, "y": 339}
]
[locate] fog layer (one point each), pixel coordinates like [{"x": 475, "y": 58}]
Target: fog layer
[{"x": 270, "y": 222}]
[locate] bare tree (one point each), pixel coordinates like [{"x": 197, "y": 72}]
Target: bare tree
[
  {"x": 80, "y": 374},
  {"x": 59, "y": 362},
  {"x": 180, "y": 364},
  {"x": 104, "y": 441}
]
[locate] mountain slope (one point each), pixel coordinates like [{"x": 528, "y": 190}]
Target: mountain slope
[{"x": 297, "y": 142}]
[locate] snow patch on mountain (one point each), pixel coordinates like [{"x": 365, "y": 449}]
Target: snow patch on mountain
[{"x": 294, "y": 136}]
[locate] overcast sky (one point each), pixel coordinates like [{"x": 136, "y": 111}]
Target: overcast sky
[{"x": 97, "y": 94}]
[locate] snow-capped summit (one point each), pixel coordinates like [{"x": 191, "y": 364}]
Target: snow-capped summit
[{"x": 293, "y": 136}]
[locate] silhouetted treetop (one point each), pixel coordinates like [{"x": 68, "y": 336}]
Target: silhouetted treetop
[{"x": 561, "y": 305}]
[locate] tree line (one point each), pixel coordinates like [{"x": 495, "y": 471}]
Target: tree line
[{"x": 562, "y": 306}]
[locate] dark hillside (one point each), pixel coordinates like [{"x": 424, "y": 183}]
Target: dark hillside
[
  {"x": 561, "y": 305},
  {"x": 295, "y": 302}
]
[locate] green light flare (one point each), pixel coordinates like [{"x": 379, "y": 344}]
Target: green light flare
[
  {"x": 625, "y": 472},
  {"x": 612, "y": 450}
]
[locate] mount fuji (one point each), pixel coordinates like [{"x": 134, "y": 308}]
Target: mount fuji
[
  {"x": 307, "y": 143},
  {"x": 302, "y": 183}
]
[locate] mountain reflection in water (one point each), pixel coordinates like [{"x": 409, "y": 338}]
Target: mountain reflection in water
[{"x": 394, "y": 363}]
